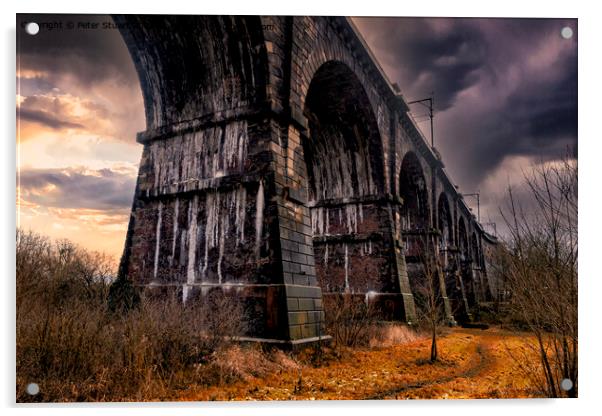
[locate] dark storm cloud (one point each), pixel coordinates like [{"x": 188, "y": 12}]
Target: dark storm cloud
[
  {"x": 537, "y": 120},
  {"x": 88, "y": 54},
  {"x": 502, "y": 87},
  {"x": 47, "y": 119},
  {"x": 102, "y": 189},
  {"x": 546, "y": 111},
  {"x": 429, "y": 55}
]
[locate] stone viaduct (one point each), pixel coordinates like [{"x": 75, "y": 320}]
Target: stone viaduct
[{"x": 280, "y": 163}]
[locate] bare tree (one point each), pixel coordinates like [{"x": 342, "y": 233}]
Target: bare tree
[
  {"x": 539, "y": 263},
  {"x": 428, "y": 292}
]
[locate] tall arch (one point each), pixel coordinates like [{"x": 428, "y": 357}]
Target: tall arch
[
  {"x": 343, "y": 152},
  {"x": 344, "y": 158},
  {"x": 415, "y": 223},
  {"x": 415, "y": 212},
  {"x": 179, "y": 59},
  {"x": 475, "y": 250},
  {"x": 463, "y": 246},
  {"x": 445, "y": 221},
  {"x": 466, "y": 272},
  {"x": 201, "y": 85}
]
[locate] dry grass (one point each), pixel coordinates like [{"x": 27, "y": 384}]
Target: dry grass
[
  {"x": 473, "y": 364},
  {"x": 76, "y": 349},
  {"x": 388, "y": 335},
  {"x": 70, "y": 343}
]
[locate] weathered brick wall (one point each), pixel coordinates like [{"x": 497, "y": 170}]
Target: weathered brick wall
[{"x": 273, "y": 166}]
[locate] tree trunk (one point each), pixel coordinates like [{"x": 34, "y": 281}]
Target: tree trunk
[{"x": 434, "y": 345}]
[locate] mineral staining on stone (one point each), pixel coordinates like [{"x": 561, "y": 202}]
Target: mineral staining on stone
[{"x": 211, "y": 153}]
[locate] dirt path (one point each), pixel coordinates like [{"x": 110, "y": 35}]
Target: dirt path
[
  {"x": 473, "y": 364},
  {"x": 477, "y": 364}
]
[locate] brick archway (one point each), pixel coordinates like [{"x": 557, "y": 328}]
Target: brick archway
[{"x": 351, "y": 230}]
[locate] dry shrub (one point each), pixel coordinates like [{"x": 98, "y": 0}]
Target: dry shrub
[
  {"x": 60, "y": 317},
  {"x": 244, "y": 362},
  {"x": 387, "y": 335},
  {"x": 221, "y": 318},
  {"x": 283, "y": 360},
  {"x": 236, "y": 363},
  {"x": 76, "y": 349},
  {"x": 354, "y": 323},
  {"x": 349, "y": 319}
]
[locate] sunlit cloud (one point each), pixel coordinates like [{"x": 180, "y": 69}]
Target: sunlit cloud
[{"x": 77, "y": 188}]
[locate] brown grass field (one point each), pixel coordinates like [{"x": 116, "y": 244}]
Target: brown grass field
[{"x": 473, "y": 364}]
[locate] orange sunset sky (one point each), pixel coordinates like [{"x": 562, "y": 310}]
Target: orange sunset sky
[{"x": 79, "y": 107}]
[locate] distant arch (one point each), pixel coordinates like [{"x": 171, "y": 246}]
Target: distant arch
[
  {"x": 475, "y": 250},
  {"x": 463, "y": 240},
  {"x": 413, "y": 190},
  {"x": 445, "y": 222}
]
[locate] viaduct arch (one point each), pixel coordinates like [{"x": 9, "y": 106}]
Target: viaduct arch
[{"x": 279, "y": 162}]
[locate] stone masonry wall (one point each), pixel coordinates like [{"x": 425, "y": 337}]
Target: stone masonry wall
[{"x": 249, "y": 183}]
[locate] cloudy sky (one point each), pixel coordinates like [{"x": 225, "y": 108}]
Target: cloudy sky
[
  {"x": 505, "y": 93},
  {"x": 79, "y": 108},
  {"x": 505, "y": 97}
]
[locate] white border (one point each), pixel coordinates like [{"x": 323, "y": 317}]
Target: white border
[{"x": 589, "y": 152}]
